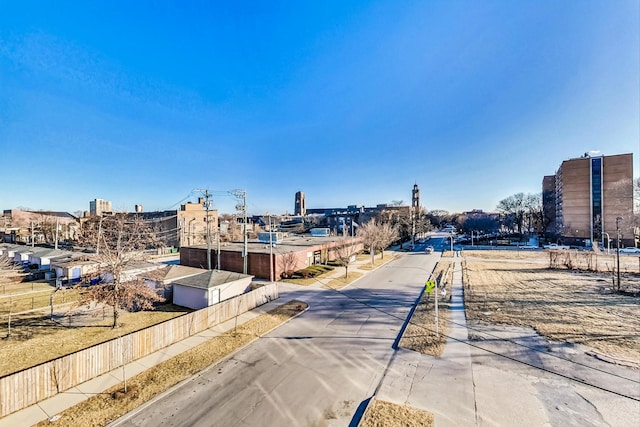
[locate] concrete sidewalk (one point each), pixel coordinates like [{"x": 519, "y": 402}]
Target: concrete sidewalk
[
  {"x": 441, "y": 385},
  {"x": 48, "y": 408}
]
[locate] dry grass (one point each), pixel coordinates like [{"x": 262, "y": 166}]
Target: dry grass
[
  {"x": 504, "y": 254},
  {"x": 586, "y": 260},
  {"x": 341, "y": 281},
  {"x": 377, "y": 262},
  {"x": 101, "y": 409},
  {"x": 311, "y": 280},
  {"x": 561, "y": 305},
  {"x": 17, "y": 303},
  {"x": 22, "y": 287},
  {"x": 36, "y": 339},
  {"x": 420, "y": 332},
  {"x": 386, "y": 414}
]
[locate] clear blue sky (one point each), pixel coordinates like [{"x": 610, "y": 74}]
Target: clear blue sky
[{"x": 349, "y": 101}]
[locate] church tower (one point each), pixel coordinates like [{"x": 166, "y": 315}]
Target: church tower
[
  {"x": 415, "y": 199},
  {"x": 300, "y": 207}
]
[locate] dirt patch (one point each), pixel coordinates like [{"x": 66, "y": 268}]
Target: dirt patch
[
  {"x": 101, "y": 409},
  {"x": 386, "y": 414},
  {"x": 420, "y": 333},
  {"x": 561, "y": 305}
]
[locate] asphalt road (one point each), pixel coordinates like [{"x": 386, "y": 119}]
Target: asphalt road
[{"x": 316, "y": 370}]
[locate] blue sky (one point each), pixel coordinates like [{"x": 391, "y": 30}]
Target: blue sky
[{"x": 351, "y": 102}]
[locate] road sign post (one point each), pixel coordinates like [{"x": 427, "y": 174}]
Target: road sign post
[{"x": 430, "y": 286}]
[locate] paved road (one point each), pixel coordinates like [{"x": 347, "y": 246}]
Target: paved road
[{"x": 315, "y": 370}]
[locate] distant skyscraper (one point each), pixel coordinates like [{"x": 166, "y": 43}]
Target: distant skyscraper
[
  {"x": 301, "y": 205},
  {"x": 415, "y": 199},
  {"x": 99, "y": 206},
  {"x": 139, "y": 209}
]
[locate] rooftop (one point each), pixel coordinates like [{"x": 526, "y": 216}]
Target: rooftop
[
  {"x": 288, "y": 244},
  {"x": 210, "y": 279}
]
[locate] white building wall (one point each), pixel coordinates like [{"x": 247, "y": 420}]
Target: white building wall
[{"x": 187, "y": 296}]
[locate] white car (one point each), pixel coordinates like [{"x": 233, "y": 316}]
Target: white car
[
  {"x": 555, "y": 246},
  {"x": 630, "y": 250}
]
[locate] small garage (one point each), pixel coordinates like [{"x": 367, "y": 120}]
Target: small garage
[{"x": 209, "y": 288}]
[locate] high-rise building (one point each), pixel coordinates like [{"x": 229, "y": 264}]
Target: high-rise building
[
  {"x": 588, "y": 194},
  {"x": 99, "y": 206},
  {"x": 300, "y": 207}
]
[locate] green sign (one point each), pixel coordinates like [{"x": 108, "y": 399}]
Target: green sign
[{"x": 430, "y": 286}]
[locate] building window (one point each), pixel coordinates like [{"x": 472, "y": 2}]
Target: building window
[{"x": 596, "y": 198}]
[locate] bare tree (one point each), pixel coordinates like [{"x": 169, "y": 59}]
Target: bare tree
[
  {"x": 388, "y": 235},
  {"x": 119, "y": 240},
  {"x": 132, "y": 295},
  {"x": 347, "y": 248},
  {"x": 288, "y": 263},
  {"x": 9, "y": 271},
  {"x": 515, "y": 208},
  {"x": 533, "y": 212},
  {"x": 371, "y": 236}
]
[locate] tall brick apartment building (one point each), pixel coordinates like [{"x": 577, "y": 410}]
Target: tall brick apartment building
[{"x": 583, "y": 199}]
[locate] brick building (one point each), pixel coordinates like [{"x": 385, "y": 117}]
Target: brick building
[
  {"x": 587, "y": 195},
  {"x": 292, "y": 253}
]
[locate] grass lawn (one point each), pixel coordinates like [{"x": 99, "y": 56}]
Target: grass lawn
[
  {"x": 309, "y": 281},
  {"x": 22, "y": 287},
  {"x": 31, "y": 300},
  {"x": 341, "y": 281},
  {"x": 36, "y": 339},
  {"x": 562, "y": 305},
  {"x": 377, "y": 262},
  {"x": 386, "y": 414},
  {"x": 101, "y": 409}
]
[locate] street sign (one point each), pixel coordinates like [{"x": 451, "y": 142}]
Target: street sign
[{"x": 429, "y": 286}]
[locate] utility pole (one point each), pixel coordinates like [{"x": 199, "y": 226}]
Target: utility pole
[
  {"x": 207, "y": 205},
  {"x": 270, "y": 250},
  {"x": 57, "y": 226},
  {"x": 618, "y": 219},
  {"x": 99, "y": 231},
  {"x": 32, "y": 235},
  {"x": 242, "y": 195},
  {"x": 218, "y": 238}
]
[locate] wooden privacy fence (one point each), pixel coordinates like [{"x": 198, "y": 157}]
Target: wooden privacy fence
[{"x": 29, "y": 386}]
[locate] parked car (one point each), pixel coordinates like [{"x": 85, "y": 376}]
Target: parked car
[
  {"x": 630, "y": 250},
  {"x": 555, "y": 246},
  {"x": 429, "y": 249},
  {"x": 528, "y": 247}
]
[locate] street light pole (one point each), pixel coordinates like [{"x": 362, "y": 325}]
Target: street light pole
[
  {"x": 618, "y": 219},
  {"x": 270, "y": 250},
  {"x": 608, "y": 242}
]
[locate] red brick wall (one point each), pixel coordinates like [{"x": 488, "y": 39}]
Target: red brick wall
[{"x": 257, "y": 263}]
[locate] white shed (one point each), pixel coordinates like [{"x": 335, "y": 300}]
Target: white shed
[
  {"x": 209, "y": 288},
  {"x": 43, "y": 258}
]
